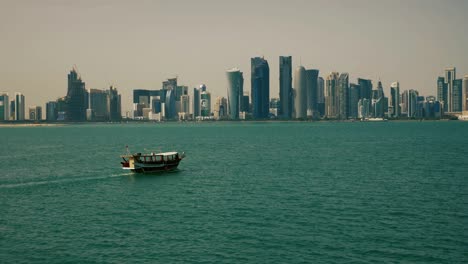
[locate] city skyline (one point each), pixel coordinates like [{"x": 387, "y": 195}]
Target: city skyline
[
  {"x": 365, "y": 39},
  {"x": 340, "y": 100}
]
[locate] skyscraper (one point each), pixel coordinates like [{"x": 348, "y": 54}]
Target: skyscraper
[
  {"x": 343, "y": 96},
  {"x": 105, "y": 105},
  {"x": 412, "y": 102},
  {"x": 97, "y": 109},
  {"x": 300, "y": 93},
  {"x": 450, "y": 74},
  {"x": 179, "y": 91},
  {"x": 321, "y": 96},
  {"x": 205, "y": 104},
  {"x": 274, "y": 107},
  {"x": 35, "y": 113},
  {"x": 142, "y": 99},
  {"x": 77, "y": 98},
  {"x": 378, "y": 101},
  {"x": 457, "y": 96},
  {"x": 442, "y": 92},
  {"x": 202, "y": 88},
  {"x": 141, "y": 96},
  {"x": 312, "y": 91},
  {"x": 404, "y": 103},
  {"x": 363, "y": 108},
  {"x": 260, "y": 87},
  {"x": 465, "y": 93},
  {"x": 366, "y": 88},
  {"x": 331, "y": 95},
  {"x": 4, "y": 107},
  {"x": 185, "y": 104},
  {"x": 51, "y": 111},
  {"x": 170, "y": 84},
  {"x": 245, "y": 105},
  {"x": 354, "y": 90},
  {"x": 19, "y": 107},
  {"x": 395, "y": 98},
  {"x": 114, "y": 104},
  {"x": 220, "y": 107},
  {"x": 285, "y": 82},
  {"x": 196, "y": 102},
  {"x": 450, "y": 90},
  {"x": 169, "y": 104},
  {"x": 169, "y": 96},
  {"x": 234, "y": 100}
]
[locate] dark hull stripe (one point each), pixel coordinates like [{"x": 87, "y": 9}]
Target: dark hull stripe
[{"x": 156, "y": 169}]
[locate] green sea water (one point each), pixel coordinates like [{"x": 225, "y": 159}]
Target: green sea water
[{"x": 266, "y": 192}]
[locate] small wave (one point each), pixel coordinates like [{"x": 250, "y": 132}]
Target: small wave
[{"x": 36, "y": 183}]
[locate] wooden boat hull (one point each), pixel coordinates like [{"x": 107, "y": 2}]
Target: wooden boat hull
[{"x": 152, "y": 169}]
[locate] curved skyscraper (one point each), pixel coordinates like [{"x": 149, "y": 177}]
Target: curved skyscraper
[
  {"x": 235, "y": 81},
  {"x": 170, "y": 105},
  {"x": 300, "y": 100}
]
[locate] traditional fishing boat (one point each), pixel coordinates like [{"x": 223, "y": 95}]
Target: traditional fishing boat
[{"x": 152, "y": 162}]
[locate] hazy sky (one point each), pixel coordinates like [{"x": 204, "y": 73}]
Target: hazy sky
[{"x": 138, "y": 44}]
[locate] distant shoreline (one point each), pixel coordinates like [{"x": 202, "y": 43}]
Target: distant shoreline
[
  {"x": 29, "y": 124},
  {"x": 47, "y": 124}
]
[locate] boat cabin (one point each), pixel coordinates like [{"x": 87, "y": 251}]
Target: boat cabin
[{"x": 157, "y": 157}]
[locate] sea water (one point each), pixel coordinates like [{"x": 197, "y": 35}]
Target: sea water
[{"x": 247, "y": 192}]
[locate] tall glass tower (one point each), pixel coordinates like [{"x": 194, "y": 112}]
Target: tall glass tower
[
  {"x": 366, "y": 88},
  {"x": 260, "y": 87},
  {"x": 442, "y": 92},
  {"x": 331, "y": 95},
  {"x": 395, "y": 98},
  {"x": 19, "y": 107},
  {"x": 312, "y": 91},
  {"x": 300, "y": 92},
  {"x": 196, "y": 102},
  {"x": 4, "y": 107},
  {"x": 285, "y": 89},
  {"x": 465, "y": 93},
  {"x": 235, "y": 82},
  {"x": 354, "y": 90},
  {"x": 77, "y": 97},
  {"x": 343, "y": 96},
  {"x": 457, "y": 97},
  {"x": 449, "y": 78},
  {"x": 321, "y": 96}
]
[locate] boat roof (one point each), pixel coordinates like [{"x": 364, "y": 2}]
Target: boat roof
[
  {"x": 166, "y": 153},
  {"x": 159, "y": 154},
  {"x": 151, "y": 154}
]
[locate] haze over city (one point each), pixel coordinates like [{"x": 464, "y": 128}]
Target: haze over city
[{"x": 137, "y": 45}]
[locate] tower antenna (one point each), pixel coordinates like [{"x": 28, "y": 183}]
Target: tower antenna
[{"x": 75, "y": 68}]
